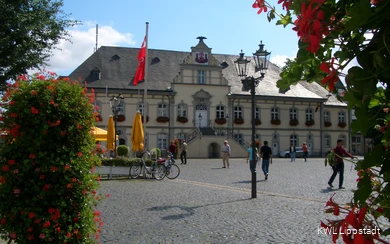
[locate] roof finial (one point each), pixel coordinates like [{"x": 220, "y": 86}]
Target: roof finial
[{"x": 201, "y": 38}]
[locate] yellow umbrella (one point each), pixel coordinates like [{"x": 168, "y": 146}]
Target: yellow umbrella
[
  {"x": 100, "y": 134},
  {"x": 110, "y": 134},
  {"x": 137, "y": 134}
]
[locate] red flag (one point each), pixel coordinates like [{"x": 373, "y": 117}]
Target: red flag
[{"x": 140, "y": 73}]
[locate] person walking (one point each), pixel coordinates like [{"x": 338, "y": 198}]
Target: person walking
[
  {"x": 172, "y": 150},
  {"x": 305, "y": 152},
  {"x": 249, "y": 158},
  {"x": 266, "y": 155},
  {"x": 225, "y": 154},
  {"x": 183, "y": 153},
  {"x": 292, "y": 152},
  {"x": 339, "y": 166}
]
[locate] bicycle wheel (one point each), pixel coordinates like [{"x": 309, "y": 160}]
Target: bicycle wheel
[
  {"x": 135, "y": 170},
  {"x": 173, "y": 171},
  {"x": 158, "y": 171}
]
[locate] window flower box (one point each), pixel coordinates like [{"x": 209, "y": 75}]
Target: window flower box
[
  {"x": 342, "y": 124},
  {"x": 182, "y": 119},
  {"x": 238, "y": 121},
  {"x": 309, "y": 123},
  {"x": 121, "y": 118},
  {"x": 257, "y": 122},
  {"x": 220, "y": 121},
  {"x": 143, "y": 119},
  {"x": 294, "y": 122},
  {"x": 162, "y": 119},
  {"x": 327, "y": 124},
  {"x": 275, "y": 121}
]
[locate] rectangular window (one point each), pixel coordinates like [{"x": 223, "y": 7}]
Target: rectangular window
[
  {"x": 162, "y": 110},
  {"x": 326, "y": 116},
  {"x": 201, "y": 77},
  {"x": 274, "y": 113},
  {"x": 257, "y": 113},
  {"x": 140, "y": 108},
  {"x": 162, "y": 141},
  {"x": 327, "y": 141},
  {"x": 182, "y": 110},
  {"x": 294, "y": 140},
  {"x": 341, "y": 117},
  {"x": 309, "y": 114},
  {"x": 237, "y": 112},
  {"x": 293, "y": 113},
  {"x": 220, "y": 112}
]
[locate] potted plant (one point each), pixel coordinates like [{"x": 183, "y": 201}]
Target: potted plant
[
  {"x": 309, "y": 123},
  {"x": 121, "y": 118},
  {"x": 143, "y": 119},
  {"x": 162, "y": 119},
  {"x": 238, "y": 121},
  {"x": 342, "y": 124},
  {"x": 294, "y": 122},
  {"x": 327, "y": 124},
  {"x": 275, "y": 121},
  {"x": 182, "y": 119},
  {"x": 220, "y": 121}
]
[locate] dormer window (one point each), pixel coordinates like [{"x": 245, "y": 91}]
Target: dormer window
[{"x": 95, "y": 74}]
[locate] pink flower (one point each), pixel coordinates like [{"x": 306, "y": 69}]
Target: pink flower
[
  {"x": 12, "y": 235},
  {"x": 16, "y": 191},
  {"x": 16, "y": 171},
  {"x": 42, "y": 236}
]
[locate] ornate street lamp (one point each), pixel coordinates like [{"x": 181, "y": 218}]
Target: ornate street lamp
[
  {"x": 115, "y": 108},
  {"x": 261, "y": 58}
]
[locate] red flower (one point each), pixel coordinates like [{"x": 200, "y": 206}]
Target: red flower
[
  {"x": 29, "y": 229},
  {"x": 3, "y": 221},
  {"x": 69, "y": 186},
  {"x": 67, "y": 167},
  {"x": 11, "y": 162},
  {"x": 42, "y": 177},
  {"x": 53, "y": 168},
  {"x": 34, "y": 93},
  {"x": 5, "y": 168},
  {"x": 332, "y": 78},
  {"x": 34, "y": 110},
  {"x": 261, "y": 5},
  {"x": 32, "y": 155},
  {"x": 14, "y": 115},
  {"x": 79, "y": 154},
  {"x": 31, "y": 215},
  {"x": 46, "y": 224},
  {"x": 46, "y": 187},
  {"x": 63, "y": 133},
  {"x": 286, "y": 4},
  {"x": 2, "y": 180},
  {"x": 51, "y": 102}
]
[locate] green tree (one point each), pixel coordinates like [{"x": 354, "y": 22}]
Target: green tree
[
  {"x": 29, "y": 30},
  {"x": 350, "y": 39}
]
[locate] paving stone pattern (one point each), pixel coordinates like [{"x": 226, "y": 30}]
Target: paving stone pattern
[{"x": 208, "y": 204}]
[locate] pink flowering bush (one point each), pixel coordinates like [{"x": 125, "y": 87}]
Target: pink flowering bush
[{"x": 47, "y": 190}]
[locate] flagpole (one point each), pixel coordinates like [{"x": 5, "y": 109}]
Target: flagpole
[{"x": 146, "y": 81}]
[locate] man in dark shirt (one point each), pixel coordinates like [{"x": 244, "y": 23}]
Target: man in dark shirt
[
  {"x": 266, "y": 155},
  {"x": 339, "y": 167}
]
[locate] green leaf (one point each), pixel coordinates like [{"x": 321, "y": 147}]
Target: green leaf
[
  {"x": 360, "y": 14},
  {"x": 364, "y": 190},
  {"x": 285, "y": 20}
]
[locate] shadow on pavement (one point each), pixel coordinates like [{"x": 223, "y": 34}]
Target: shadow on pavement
[
  {"x": 248, "y": 181},
  {"x": 328, "y": 189},
  {"x": 188, "y": 210}
]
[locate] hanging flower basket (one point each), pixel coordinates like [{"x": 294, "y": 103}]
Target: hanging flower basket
[
  {"x": 294, "y": 122},
  {"x": 182, "y": 119},
  {"x": 220, "y": 121},
  {"x": 275, "y": 121},
  {"x": 238, "y": 121},
  {"x": 327, "y": 124},
  {"x": 342, "y": 124},
  {"x": 309, "y": 123},
  {"x": 121, "y": 118},
  {"x": 162, "y": 119},
  {"x": 257, "y": 122},
  {"x": 143, "y": 119}
]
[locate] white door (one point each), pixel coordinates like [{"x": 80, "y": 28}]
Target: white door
[
  {"x": 275, "y": 148},
  {"x": 310, "y": 147},
  {"x": 201, "y": 118}
]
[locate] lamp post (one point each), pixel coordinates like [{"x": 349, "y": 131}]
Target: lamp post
[
  {"x": 114, "y": 104},
  {"x": 261, "y": 58},
  {"x": 227, "y": 125}
]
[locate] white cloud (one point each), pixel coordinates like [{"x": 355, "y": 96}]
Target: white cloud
[
  {"x": 82, "y": 45},
  {"x": 280, "y": 60}
]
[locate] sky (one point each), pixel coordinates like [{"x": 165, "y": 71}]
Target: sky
[{"x": 229, "y": 26}]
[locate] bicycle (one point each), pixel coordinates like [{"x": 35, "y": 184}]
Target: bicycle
[
  {"x": 172, "y": 170},
  {"x": 158, "y": 171}
]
